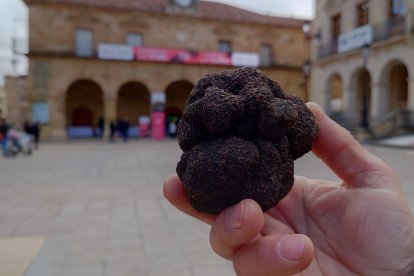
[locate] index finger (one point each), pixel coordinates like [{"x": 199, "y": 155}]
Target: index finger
[
  {"x": 174, "y": 192},
  {"x": 346, "y": 157}
]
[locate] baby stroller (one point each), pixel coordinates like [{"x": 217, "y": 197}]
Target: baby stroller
[{"x": 19, "y": 142}]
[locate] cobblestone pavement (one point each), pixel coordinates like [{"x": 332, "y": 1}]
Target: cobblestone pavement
[{"x": 102, "y": 208}]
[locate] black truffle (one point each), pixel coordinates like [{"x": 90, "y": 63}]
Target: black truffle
[{"x": 240, "y": 135}]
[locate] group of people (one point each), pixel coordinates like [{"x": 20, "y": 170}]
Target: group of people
[
  {"x": 14, "y": 141},
  {"x": 172, "y": 126},
  {"x": 120, "y": 127},
  {"x": 116, "y": 128},
  {"x": 33, "y": 129}
]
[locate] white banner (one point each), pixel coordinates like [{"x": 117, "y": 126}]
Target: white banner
[
  {"x": 245, "y": 59},
  {"x": 40, "y": 112},
  {"x": 115, "y": 51},
  {"x": 355, "y": 39},
  {"x": 158, "y": 97}
]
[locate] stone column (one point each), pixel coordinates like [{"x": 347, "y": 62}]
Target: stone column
[
  {"x": 327, "y": 100},
  {"x": 410, "y": 103},
  {"x": 57, "y": 118},
  {"x": 410, "y": 21},
  {"x": 349, "y": 104},
  {"x": 379, "y": 100},
  {"x": 110, "y": 112}
]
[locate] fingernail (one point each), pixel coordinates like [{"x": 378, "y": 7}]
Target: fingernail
[
  {"x": 234, "y": 216},
  {"x": 291, "y": 247},
  {"x": 163, "y": 187}
]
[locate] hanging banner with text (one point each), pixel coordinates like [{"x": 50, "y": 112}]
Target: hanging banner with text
[
  {"x": 115, "y": 51},
  {"x": 245, "y": 59},
  {"x": 110, "y": 51},
  {"x": 182, "y": 56},
  {"x": 355, "y": 39}
]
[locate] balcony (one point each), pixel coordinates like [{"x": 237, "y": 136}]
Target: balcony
[
  {"x": 328, "y": 49},
  {"x": 393, "y": 26}
]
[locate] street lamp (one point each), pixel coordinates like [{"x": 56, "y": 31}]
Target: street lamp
[
  {"x": 364, "y": 109},
  {"x": 306, "y": 28},
  {"x": 306, "y": 72}
]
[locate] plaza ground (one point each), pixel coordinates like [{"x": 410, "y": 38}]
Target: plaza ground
[{"x": 102, "y": 208}]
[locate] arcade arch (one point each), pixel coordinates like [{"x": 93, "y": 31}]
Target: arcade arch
[
  {"x": 336, "y": 94},
  {"x": 176, "y": 96},
  {"x": 395, "y": 76},
  {"x": 84, "y": 104},
  {"x": 361, "y": 85},
  {"x": 133, "y": 101}
]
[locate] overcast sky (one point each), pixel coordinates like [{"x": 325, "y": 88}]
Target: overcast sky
[
  {"x": 13, "y": 24},
  {"x": 291, "y": 8}
]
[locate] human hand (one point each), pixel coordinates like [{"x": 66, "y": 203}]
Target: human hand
[{"x": 364, "y": 226}]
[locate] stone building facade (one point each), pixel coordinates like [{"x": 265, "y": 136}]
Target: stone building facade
[
  {"x": 363, "y": 59},
  {"x": 3, "y": 102},
  {"x": 17, "y": 105},
  {"x": 76, "y": 86}
]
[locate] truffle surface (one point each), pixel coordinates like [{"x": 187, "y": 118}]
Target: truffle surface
[{"x": 240, "y": 134}]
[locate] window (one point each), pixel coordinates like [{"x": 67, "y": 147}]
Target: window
[
  {"x": 363, "y": 14},
  {"x": 134, "y": 39},
  {"x": 266, "y": 55},
  {"x": 225, "y": 46},
  {"x": 336, "y": 26},
  {"x": 84, "y": 43},
  {"x": 397, "y": 8}
]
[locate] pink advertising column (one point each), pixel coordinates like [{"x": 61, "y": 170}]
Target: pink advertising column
[{"x": 158, "y": 115}]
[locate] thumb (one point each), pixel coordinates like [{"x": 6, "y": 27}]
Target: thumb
[{"x": 274, "y": 255}]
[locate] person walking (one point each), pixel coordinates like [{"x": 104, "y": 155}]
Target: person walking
[
  {"x": 36, "y": 134},
  {"x": 101, "y": 127},
  {"x": 4, "y": 129},
  {"x": 124, "y": 129},
  {"x": 112, "y": 131}
]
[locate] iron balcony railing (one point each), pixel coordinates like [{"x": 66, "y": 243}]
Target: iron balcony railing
[
  {"x": 328, "y": 49},
  {"x": 393, "y": 26}
]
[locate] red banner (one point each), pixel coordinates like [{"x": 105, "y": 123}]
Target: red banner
[
  {"x": 213, "y": 58},
  {"x": 182, "y": 56}
]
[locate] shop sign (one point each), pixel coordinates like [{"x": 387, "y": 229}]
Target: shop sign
[
  {"x": 115, "y": 51},
  {"x": 355, "y": 39},
  {"x": 245, "y": 59}
]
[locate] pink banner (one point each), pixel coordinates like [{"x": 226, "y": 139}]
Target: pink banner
[
  {"x": 213, "y": 58},
  {"x": 156, "y": 54},
  {"x": 158, "y": 125},
  {"x": 182, "y": 56}
]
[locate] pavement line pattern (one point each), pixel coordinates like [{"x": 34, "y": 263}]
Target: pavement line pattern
[{"x": 101, "y": 206}]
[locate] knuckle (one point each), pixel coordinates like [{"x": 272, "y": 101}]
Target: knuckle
[{"x": 219, "y": 246}]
